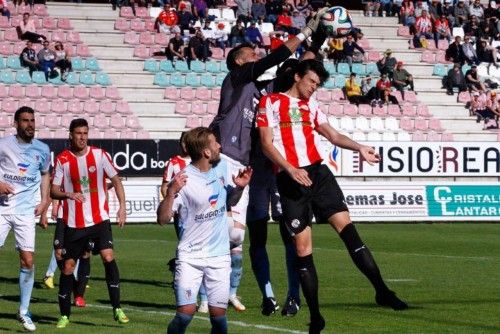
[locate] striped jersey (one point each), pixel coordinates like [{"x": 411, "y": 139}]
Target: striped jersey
[
  {"x": 86, "y": 175},
  {"x": 21, "y": 165},
  {"x": 202, "y": 210},
  {"x": 294, "y": 124},
  {"x": 174, "y": 166}
]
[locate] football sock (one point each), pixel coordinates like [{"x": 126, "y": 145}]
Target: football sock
[
  {"x": 309, "y": 282},
  {"x": 113, "y": 282},
  {"x": 362, "y": 257},
  {"x": 26, "y": 280},
  {"x": 83, "y": 276},
  {"x": 291, "y": 258},
  {"x": 236, "y": 270},
  {"x": 64, "y": 296},
  {"x": 219, "y": 325},
  {"x": 179, "y": 323},
  {"x": 51, "y": 269},
  {"x": 259, "y": 257}
]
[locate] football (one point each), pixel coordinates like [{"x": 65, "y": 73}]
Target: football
[{"x": 337, "y": 22}]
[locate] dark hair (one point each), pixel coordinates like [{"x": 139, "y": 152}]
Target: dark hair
[
  {"x": 315, "y": 66},
  {"x": 196, "y": 140},
  {"x": 77, "y": 123},
  {"x": 22, "y": 110},
  {"x": 234, "y": 54},
  {"x": 353, "y": 74},
  {"x": 284, "y": 75}
]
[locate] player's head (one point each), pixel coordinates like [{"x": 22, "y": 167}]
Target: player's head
[
  {"x": 182, "y": 144},
  {"x": 242, "y": 54},
  {"x": 309, "y": 76},
  {"x": 79, "y": 134},
  {"x": 24, "y": 122},
  {"x": 202, "y": 144}
]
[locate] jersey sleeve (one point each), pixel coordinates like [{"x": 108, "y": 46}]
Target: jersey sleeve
[
  {"x": 265, "y": 114},
  {"x": 109, "y": 169},
  {"x": 319, "y": 116},
  {"x": 45, "y": 163},
  {"x": 58, "y": 173},
  {"x": 169, "y": 172}
]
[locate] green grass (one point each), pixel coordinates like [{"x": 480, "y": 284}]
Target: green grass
[{"x": 448, "y": 273}]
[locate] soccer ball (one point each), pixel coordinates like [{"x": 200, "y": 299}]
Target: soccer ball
[{"x": 337, "y": 22}]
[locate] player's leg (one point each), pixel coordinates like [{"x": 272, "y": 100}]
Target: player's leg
[
  {"x": 217, "y": 280},
  {"x": 82, "y": 278},
  {"x": 187, "y": 280},
  {"x": 48, "y": 279}
]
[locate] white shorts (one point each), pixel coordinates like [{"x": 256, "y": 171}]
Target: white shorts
[
  {"x": 239, "y": 211},
  {"x": 24, "y": 230},
  {"x": 213, "y": 272}
]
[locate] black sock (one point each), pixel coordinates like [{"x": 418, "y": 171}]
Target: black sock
[
  {"x": 64, "y": 296},
  {"x": 83, "y": 276},
  {"x": 113, "y": 282},
  {"x": 309, "y": 283},
  {"x": 60, "y": 264},
  {"x": 362, "y": 257}
]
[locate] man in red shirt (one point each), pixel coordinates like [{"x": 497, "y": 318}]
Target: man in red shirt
[
  {"x": 80, "y": 182},
  {"x": 289, "y": 126}
]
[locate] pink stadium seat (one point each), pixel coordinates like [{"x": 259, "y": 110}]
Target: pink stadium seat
[
  {"x": 397, "y": 94},
  {"x": 132, "y": 122},
  {"x": 365, "y": 110},
  {"x": 58, "y": 36},
  {"x": 336, "y": 109},
  {"x": 107, "y": 107},
  {"x": 16, "y": 91},
  {"x": 379, "y": 111},
  {"x": 127, "y": 134},
  {"x": 197, "y": 108},
  {"x": 131, "y": 37},
  {"x": 161, "y": 39},
  {"x": 82, "y": 50},
  {"x": 64, "y": 23},
  {"x": 91, "y": 107},
  {"x": 70, "y": 48},
  {"x": 38, "y": 22},
  {"x": 19, "y": 46},
  {"x": 418, "y": 136},
  {"x": 323, "y": 95},
  {"x": 155, "y": 49},
  {"x": 5, "y": 121},
  {"x": 11, "y": 35},
  {"x": 192, "y": 122},
  {"x": 73, "y": 37},
  {"x": 171, "y": 93},
  {"x": 75, "y": 106},
  {"x": 40, "y": 10},
  {"x": 182, "y": 108},
  {"x": 126, "y": 12},
  {"x": 428, "y": 57},
  {"x": 81, "y": 92},
  {"x": 4, "y": 92},
  {"x": 423, "y": 110},
  {"x": 142, "y": 134},
  {"x": 137, "y": 25},
  {"x": 188, "y": 93},
  {"x": 49, "y": 23},
  {"x": 350, "y": 110},
  {"x": 410, "y": 96},
  {"x": 203, "y": 94},
  {"x": 337, "y": 95},
  {"x": 141, "y": 52},
  {"x": 404, "y": 31},
  {"x": 150, "y": 26},
  {"x": 15, "y": 20},
  {"x": 146, "y": 38},
  {"x": 431, "y": 45},
  {"x": 435, "y": 124},
  {"x": 142, "y": 12},
  {"x": 212, "y": 107},
  {"x": 27, "y": 102},
  {"x": 433, "y": 136},
  {"x": 42, "y": 106},
  {"x": 58, "y": 106},
  {"x": 101, "y": 121},
  {"x": 443, "y": 44},
  {"x": 206, "y": 120},
  {"x": 449, "y": 137},
  {"x": 217, "y": 53},
  {"x": 122, "y": 24},
  {"x": 65, "y": 92},
  {"x": 60, "y": 134},
  {"x": 216, "y": 93},
  {"x": 95, "y": 134},
  {"x": 373, "y": 56},
  {"x": 44, "y": 133},
  {"x": 6, "y": 48},
  {"x": 117, "y": 121},
  {"x": 464, "y": 97},
  {"x": 4, "y": 22},
  {"x": 408, "y": 110},
  {"x": 49, "y": 91},
  {"x": 406, "y": 124},
  {"x": 44, "y": 32},
  {"x": 441, "y": 58},
  {"x": 393, "y": 110},
  {"x": 9, "y": 105},
  {"x": 97, "y": 92},
  {"x": 111, "y": 134},
  {"x": 421, "y": 124},
  {"x": 51, "y": 121},
  {"x": 122, "y": 107},
  {"x": 112, "y": 93},
  {"x": 364, "y": 43},
  {"x": 66, "y": 120}
]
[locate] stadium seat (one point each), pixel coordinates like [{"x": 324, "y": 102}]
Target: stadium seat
[
  {"x": 40, "y": 10},
  {"x": 122, "y": 24},
  {"x": 359, "y": 69},
  {"x": 408, "y": 110},
  {"x": 219, "y": 78},
  {"x": 22, "y": 77},
  {"x": 403, "y": 136},
  {"x": 188, "y": 93},
  {"x": 449, "y": 137},
  {"x": 142, "y": 12},
  {"x": 100, "y": 121},
  {"x": 418, "y": 136},
  {"x": 141, "y": 52},
  {"x": 329, "y": 83},
  {"x": 323, "y": 95},
  {"x": 142, "y": 134},
  {"x": 379, "y": 111},
  {"x": 435, "y": 124},
  {"x": 423, "y": 110},
  {"x": 197, "y": 66},
  {"x": 112, "y": 93},
  {"x": 334, "y": 122},
  {"x": 4, "y": 22},
  {"x": 81, "y": 92},
  {"x": 58, "y": 36},
  {"x": 137, "y": 25},
  {"x": 131, "y": 37},
  {"x": 464, "y": 97},
  {"x": 132, "y": 122},
  {"x": 60, "y": 134},
  {"x": 192, "y": 122},
  {"x": 364, "y": 43},
  {"x": 339, "y": 81},
  {"x": 350, "y": 110},
  {"x": 11, "y": 35},
  {"x": 97, "y": 92},
  {"x": 42, "y": 106},
  {"x": 14, "y": 62},
  {"x": 73, "y": 37},
  {"x": 397, "y": 95},
  {"x": 439, "y": 70},
  {"x": 86, "y": 78},
  {"x": 150, "y": 25},
  {"x": 64, "y": 23},
  {"x": 203, "y": 94},
  {"x": 393, "y": 110},
  {"x": 212, "y": 107},
  {"x": 336, "y": 109},
  {"x": 32, "y": 91},
  {"x": 373, "y": 136},
  {"x": 433, "y": 136},
  {"x": 49, "y": 92},
  {"x": 347, "y": 124},
  {"x": 361, "y": 123},
  {"x": 2, "y": 63},
  {"x": 75, "y": 107},
  {"x": 126, "y": 12},
  {"x": 443, "y": 44},
  {"x": 92, "y": 64},
  {"x": 410, "y": 96},
  {"x": 65, "y": 92},
  {"x": 181, "y": 66},
  {"x": 371, "y": 68},
  {"x": 44, "y": 133},
  {"x": 39, "y": 78},
  {"x": 330, "y": 67},
  {"x": 102, "y": 79},
  {"x": 207, "y": 80},
  {"x": 167, "y": 66},
  {"x": 373, "y": 56},
  {"x": 193, "y": 80},
  {"x": 177, "y": 80},
  {"x": 9, "y": 105},
  {"x": 77, "y": 64},
  {"x": 404, "y": 31},
  {"x": 420, "y": 123},
  {"x": 182, "y": 108},
  {"x": 161, "y": 79},
  {"x": 5, "y": 121},
  {"x": 343, "y": 68},
  {"x": 91, "y": 107},
  {"x": 216, "y": 93},
  {"x": 72, "y": 79},
  {"x": 82, "y": 50},
  {"x": 111, "y": 133},
  {"x": 16, "y": 91},
  {"x": 151, "y": 65},
  {"x": 365, "y": 110},
  {"x": 388, "y": 136},
  {"x": 171, "y": 93},
  {"x": 146, "y": 38},
  {"x": 58, "y": 106},
  {"x": 377, "y": 124},
  {"x": 95, "y": 133},
  {"x": 223, "y": 67},
  {"x": 4, "y": 92},
  {"x": 206, "y": 120},
  {"x": 6, "y": 48},
  {"x": 406, "y": 124},
  {"x": 161, "y": 39},
  {"x": 117, "y": 121},
  {"x": 228, "y": 14},
  {"x": 122, "y": 107},
  {"x": 197, "y": 108},
  {"x": 212, "y": 66}
]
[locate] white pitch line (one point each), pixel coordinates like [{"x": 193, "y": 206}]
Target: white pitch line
[
  {"x": 232, "y": 322},
  {"x": 401, "y": 280}
]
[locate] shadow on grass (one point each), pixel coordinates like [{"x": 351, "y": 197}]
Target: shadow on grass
[
  {"x": 140, "y": 304},
  {"x": 160, "y": 284}
]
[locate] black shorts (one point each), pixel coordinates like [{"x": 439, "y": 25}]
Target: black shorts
[
  {"x": 95, "y": 238},
  {"x": 59, "y": 234},
  {"x": 323, "y": 199}
]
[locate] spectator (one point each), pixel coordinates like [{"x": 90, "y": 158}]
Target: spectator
[
  {"x": 473, "y": 27},
  {"x": 420, "y": 7},
  {"x": 273, "y": 9},
  {"x": 368, "y": 91},
  {"x": 175, "y": 47},
  {"x": 469, "y": 52},
  {"x": 402, "y": 78},
  {"x": 442, "y": 29},
  {"x": 486, "y": 53},
  {"x": 492, "y": 28},
  {"x": 407, "y": 13},
  {"x": 298, "y": 20},
  {"x": 385, "y": 8},
  {"x": 384, "y": 91},
  {"x": 387, "y": 64},
  {"x": 28, "y": 58},
  {"x": 237, "y": 35},
  {"x": 220, "y": 37},
  {"x": 47, "y": 60},
  {"x": 479, "y": 108},
  {"x": 26, "y": 30},
  {"x": 244, "y": 11},
  {"x": 253, "y": 36},
  {"x": 435, "y": 10},
  {"x": 455, "y": 52},
  {"x": 197, "y": 48},
  {"x": 493, "y": 106},
  {"x": 303, "y": 7},
  {"x": 396, "y": 7},
  {"x": 492, "y": 11},
  {"x": 348, "y": 49},
  {"x": 423, "y": 30},
  {"x": 62, "y": 61},
  {"x": 353, "y": 90},
  {"x": 185, "y": 17},
  {"x": 448, "y": 12},
  {"x": 284, "y": 22},
  {"x": 477, "y": 9},
  {"x": 276, "y": 40},
  {"x": 372, "y": 8},
  {"x": 184, "y": 5},
  {"x": 4, "y": 11},
  {"x": 455, "y": 78},
  {"x": 200, "y": 9},
  {"x": 461, "y": 13},
  {"x": 208, "y": 32},
  {"x": 335, "y": 49},
  {"x": 167, "y": 20},
  {"x": 258, "y": 10}
]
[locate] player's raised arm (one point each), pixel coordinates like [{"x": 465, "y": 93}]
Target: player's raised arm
[{"x": 165, "y": 210}]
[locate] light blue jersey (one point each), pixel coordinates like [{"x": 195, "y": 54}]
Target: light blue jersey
[
  {"x": 21, "y": 166},
  {"x": 201, "y": 205}
]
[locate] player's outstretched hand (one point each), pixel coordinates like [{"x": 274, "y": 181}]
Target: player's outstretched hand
[
  {"x": 243, "y": 177},
  {"x": 177, "y": 183},
  {"x": 369, "y": 154},
  {"x": 76, "y": 197},
  {"x": 313, "y": 23},
  {"x": 121, "y": 216},
  {"x": 300, "y": 176},
  {"x": 6, "y": 189}
]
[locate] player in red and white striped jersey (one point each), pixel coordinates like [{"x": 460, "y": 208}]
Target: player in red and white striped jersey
[
  {"x": 174, "y": 166},
  {"x": 289, "y": 127},
  {"x": 80, "y": 182}
]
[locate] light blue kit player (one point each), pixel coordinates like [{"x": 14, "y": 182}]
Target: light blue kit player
[
  {"x": 201, "y": 195},
  {"x": 24, "y": 170}
]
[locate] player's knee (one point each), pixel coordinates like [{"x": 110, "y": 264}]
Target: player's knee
[
  {"x": 69, "y": 267},
  {"x": 26, "y": 260},
  {"x": 236, "y": 236}
]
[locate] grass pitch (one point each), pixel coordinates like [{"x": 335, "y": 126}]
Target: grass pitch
[{"x": 448, "y": 273}]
